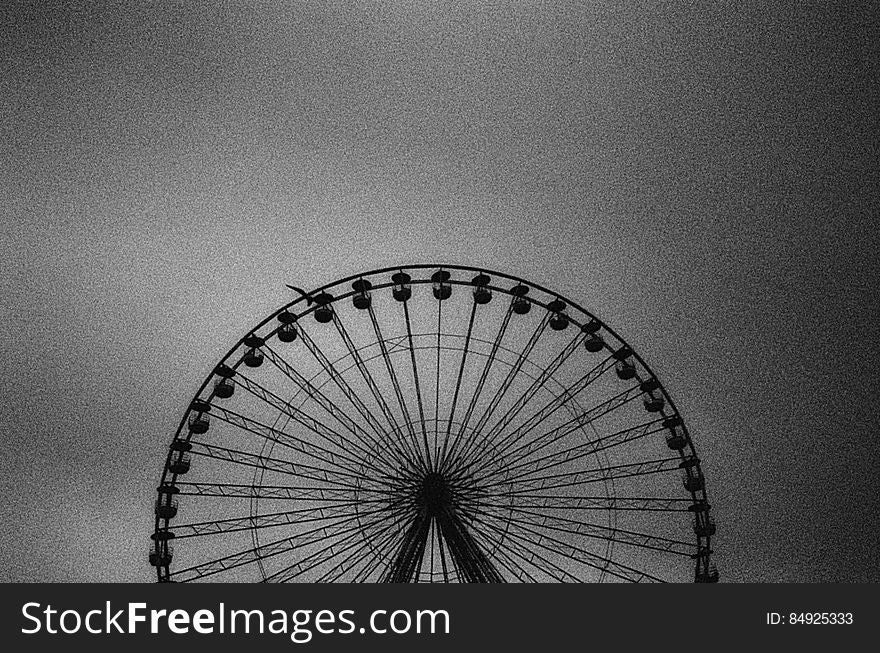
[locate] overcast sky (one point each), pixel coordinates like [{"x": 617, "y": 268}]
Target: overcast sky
[{"x": 703, "y": 180}]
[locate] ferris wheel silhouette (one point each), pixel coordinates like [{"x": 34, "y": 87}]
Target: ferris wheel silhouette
[{"x": 432, "y": 423}]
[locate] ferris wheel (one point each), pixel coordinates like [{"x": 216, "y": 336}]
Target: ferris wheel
[{"x": 432, "y": 423}]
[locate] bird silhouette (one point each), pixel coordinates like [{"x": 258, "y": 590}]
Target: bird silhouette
[{"x": 301, "y": 292}]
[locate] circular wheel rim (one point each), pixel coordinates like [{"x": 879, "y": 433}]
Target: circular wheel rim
[{"x": 439, "y": 500}]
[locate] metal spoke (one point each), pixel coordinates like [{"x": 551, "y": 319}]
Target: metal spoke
[
  {"x": 499, "y": 336},
  {"x": 601, "y": 504},
  {"x": 597, "y": 531},
  {"x": 327, "y": 404},
  {"x": 584, "y": 477},
  {"x": 302, "y": 470},
  {"x": 528, "y": 466},
  {"x": 464, "y": 354},
  {"x": 290, "y": 572},
  {"x": 320, "y": 454},
  {"x": 264, "y": 551},
  {"x": 349, "y": 393},
  {"x": 295, "y": 493},
  {"x": 371, "y": 382},
  {"x": 285, "y": 518},
  {"x": 415, "y": 370},
  {"x": 437, "y": 386},
  {"x": 336, "y": 572},
  {"x": 479, "y": 439},
  {"x": 548, "y": 410},
  {"x": 529, "y": 555},
  {"x": 395, "y": 383},
  {"x": 532, "y": 391},
  {"x": 580, "y": 555},
  {"x": 554, "y": 435}
]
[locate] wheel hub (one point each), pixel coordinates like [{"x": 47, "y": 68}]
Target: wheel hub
[{"x": 435, "y": 494}]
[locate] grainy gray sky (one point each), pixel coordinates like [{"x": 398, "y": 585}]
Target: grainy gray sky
[{"x": 704, "y": 179}]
